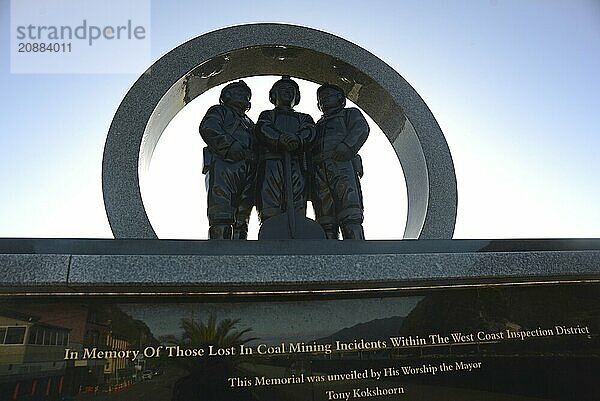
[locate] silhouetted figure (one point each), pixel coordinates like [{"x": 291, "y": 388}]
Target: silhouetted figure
[
  {"x": 337, "y": 167},
  {"x": 282, "y": 130},
  {"x": 230, "y": 162}
]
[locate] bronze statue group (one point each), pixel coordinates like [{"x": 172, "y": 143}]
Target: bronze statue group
[{"x": 245, "y": 163}]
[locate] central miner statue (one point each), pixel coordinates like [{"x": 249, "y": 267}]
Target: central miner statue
[{"x": 281, "y": 162}]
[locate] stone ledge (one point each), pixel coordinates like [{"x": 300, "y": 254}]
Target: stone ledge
[
  {"x": 34, "y": 269},
  {"x": 99, "y": 265}
]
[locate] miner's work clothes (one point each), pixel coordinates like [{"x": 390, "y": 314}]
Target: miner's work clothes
[
  {"x": 337, "y": 197},
  {"x": 230, "y": 184},
  {"x": 271, "y": 124}
]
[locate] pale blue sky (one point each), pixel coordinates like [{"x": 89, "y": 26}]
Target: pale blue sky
[{"x": 514, "y": 86}]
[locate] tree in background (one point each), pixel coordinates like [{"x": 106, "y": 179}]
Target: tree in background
[{"x": 207, "y": 378}]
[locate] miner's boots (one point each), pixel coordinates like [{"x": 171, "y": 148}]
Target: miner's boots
[
  {"x": 219, "y": 231},
  {"x": 240, "y": 230},
  {"x": 332, "y": 231},
  {"x": 353, "y": 231}
]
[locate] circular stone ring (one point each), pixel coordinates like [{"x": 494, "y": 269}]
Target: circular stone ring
[{"x": 278, "y": 49}]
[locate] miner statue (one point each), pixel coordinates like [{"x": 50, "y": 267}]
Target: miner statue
[
  {"x": 230, "y": 162},
  {"x": 285, "y": 136},
  {"x": 336, "y": 165}
]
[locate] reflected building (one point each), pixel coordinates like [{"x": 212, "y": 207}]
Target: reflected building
[
  {"x": 118, "y": 370},
  {"x": 31, "y": 355},
  {"x": 33, "y": 339}
]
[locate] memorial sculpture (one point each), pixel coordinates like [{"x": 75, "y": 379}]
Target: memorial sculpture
[
  {"x": 232, "y": 53},
  {"x": 298, "y": 160},
  {"x": 337, "y": 167},
  {"x": 65, "y": 285},
  {"x": 230, "y": 161}
]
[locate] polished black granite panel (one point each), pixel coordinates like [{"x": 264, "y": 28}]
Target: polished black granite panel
[{"x": 538, "y": 342}]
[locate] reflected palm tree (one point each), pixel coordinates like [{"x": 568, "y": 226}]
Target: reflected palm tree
[
  {"x": 221, "y": 334},
  {"x": 207, "y": 379}
]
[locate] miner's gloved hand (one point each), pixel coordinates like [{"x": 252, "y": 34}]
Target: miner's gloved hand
[
  {"x": 236, "y": 152},
  {"x": 342, "y": 152},
  {"x": 289, "y": 142}
]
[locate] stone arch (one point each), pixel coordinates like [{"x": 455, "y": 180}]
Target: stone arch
[{"x": 278, "y": 49}]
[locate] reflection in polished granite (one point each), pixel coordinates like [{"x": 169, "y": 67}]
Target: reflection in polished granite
[{"x": 515, "y": 340}]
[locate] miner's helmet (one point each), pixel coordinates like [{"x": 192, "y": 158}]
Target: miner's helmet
[
  {"x": 340, "y": 91},
  {"x": 223, "y": 99},
  {"x": 285, "y": 79}
]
